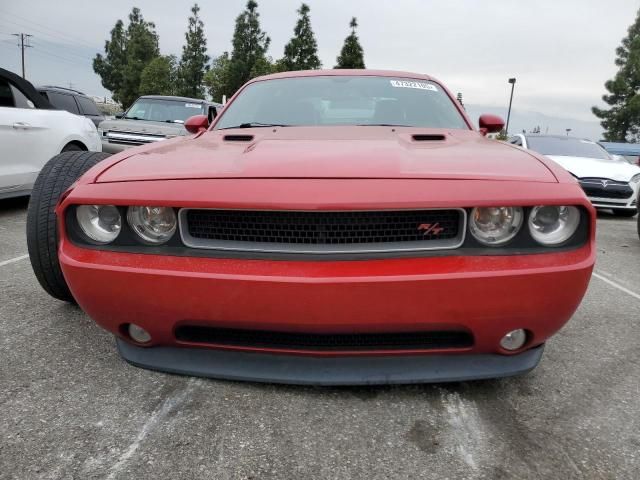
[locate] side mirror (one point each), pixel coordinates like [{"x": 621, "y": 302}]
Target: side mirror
[
  {"x": 490, "y": 124},
  {"x": 119, "y": 115},
  {"x": 196, "y": 124}
]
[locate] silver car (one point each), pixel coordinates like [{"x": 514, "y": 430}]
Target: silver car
[{"x": 152, "y": 118}]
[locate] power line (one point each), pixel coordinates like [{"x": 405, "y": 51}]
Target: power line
[
  {"x": 77, "y": 58},
  {"x": 40, "y": 26},
  {"x": 51, "y": 38},
  {"x": 47, "y": 54}
]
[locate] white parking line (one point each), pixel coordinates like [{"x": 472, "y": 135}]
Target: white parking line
[
  {"x": 13, "y": 260},
  {"x": 617, "y": 285}
]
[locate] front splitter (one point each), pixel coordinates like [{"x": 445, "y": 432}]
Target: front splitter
[{"x": 304, "y": 370}]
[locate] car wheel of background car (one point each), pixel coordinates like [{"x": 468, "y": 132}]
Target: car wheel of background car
[
  {"x": 42, "y": 230},
  {"x": 73, "y": 147},
  {"x": 624, "y": 213}
]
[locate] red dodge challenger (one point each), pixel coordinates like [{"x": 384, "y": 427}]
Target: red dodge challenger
[{"x": 329, "y": 227}]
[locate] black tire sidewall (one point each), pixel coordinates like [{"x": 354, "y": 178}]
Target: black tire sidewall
[{"x": 54, "y": 179}]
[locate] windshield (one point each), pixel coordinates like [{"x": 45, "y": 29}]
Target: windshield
[
  {"x": 567, "y": 147},
  {"x": 342, "y": 100},
  {"x": 160, "y": 110}
]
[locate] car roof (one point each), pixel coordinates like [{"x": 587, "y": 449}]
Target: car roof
[
  {"x": 180, "y": 99},
  {"x": 562, "y": 137},
  {"x": 53, "y": 88},
  {"x": 345, "y": 73}
]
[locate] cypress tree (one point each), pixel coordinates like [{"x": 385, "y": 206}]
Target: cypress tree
[
  {"x": 352, "y": 54},
  {"x": 250, "y": 45},
  {"x": 126, "y": 56},
  {"x": 301, "y": 53},
  {"x": 194, "y": 61},
  {"x": 142, "y": 47}
]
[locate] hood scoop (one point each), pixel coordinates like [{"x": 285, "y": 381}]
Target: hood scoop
[
  {"x": 428, "y": 137},
  {"x": 238, "y": 138}
]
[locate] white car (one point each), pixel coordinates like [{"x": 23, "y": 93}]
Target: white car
[
  {"x": 608, "y": 182},
  {"x": 32, "y": 131}
]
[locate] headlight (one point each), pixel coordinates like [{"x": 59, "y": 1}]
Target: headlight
[
  {"x": 495, "y": 225},
  {"x": 154, "y": 225},
  {"x": 551, "y": 225},
  {"x": 101, "y": 223},
  {"x": 635, "y": 178}
]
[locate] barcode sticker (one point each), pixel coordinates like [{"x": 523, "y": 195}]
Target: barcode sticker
[{"x": 418, "y": 85}]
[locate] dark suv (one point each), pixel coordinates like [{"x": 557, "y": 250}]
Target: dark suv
[{"x": 72, "y": 101}]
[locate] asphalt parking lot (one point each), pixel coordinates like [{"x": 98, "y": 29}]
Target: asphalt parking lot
[{"x": 71, "y": 408}]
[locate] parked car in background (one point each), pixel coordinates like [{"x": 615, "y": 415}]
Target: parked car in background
[
  {"x": 608, "y": 182},
  {"x": 32, "y": 131},
  {"x": 629, "y": 151},
  {"x": 152, "y": 118},
  {"x": 301, "y": 240},
  {"x": 72, "y": 101}
]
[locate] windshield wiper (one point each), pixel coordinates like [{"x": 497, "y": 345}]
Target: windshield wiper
[
  {"x": 133, "y": 118},
  {"x": 255, "y": 125}
]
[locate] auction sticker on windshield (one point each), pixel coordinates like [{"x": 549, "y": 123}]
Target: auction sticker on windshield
[
  {"x": 192, "y": 105},
  {"x": 408, "y": 84}
]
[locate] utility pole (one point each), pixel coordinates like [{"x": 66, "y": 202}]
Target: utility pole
[
  {"x": 24, "y": 43},
  {"x": 512, "y": 81}
]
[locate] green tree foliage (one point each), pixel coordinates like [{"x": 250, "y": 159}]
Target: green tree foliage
[
  {"x": 111, "y": 66},
  {"x": 217, "y": 78},
  {"x": 250, "y": 45},
  {"x": 194, "y": 61},
  {"x": 622, "y": 121},
  {"x": 301, "y": 53},
  {"x": 159, "y": 76},
  {"x": 127, "y": 54},
  {"x": 352, "y": 54}
]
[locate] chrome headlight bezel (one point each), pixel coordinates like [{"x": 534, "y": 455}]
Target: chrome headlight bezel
[
  {"x": 558, "y": 233},
  {"x": 152, "y": 225},
  {"x": 101, "y": 224},
  {"x": 513, "y": 219}
]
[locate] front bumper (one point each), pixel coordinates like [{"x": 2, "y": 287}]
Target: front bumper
[
  {"x": 295, "y": 370},
  {"x": 486, "y": 296},
  {"x": 622, "y": 204},
  {"x": 483, "y": 295}
]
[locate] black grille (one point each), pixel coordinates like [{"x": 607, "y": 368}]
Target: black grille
[
  {"x": 315, "y": 341},
  {"x": 606, "y": 188},
  {"x": 324, "y": 228}
]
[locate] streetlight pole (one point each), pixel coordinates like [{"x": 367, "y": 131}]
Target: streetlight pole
[{"x": 512, "y": 81}]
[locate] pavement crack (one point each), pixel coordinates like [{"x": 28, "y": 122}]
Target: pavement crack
[{"x": 156, "y": 418}]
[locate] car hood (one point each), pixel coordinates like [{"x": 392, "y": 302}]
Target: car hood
[
  {"x": 584, "y": 167},
  {"x": 328, "y": 152},
  {"x": 143, "y": 127}
]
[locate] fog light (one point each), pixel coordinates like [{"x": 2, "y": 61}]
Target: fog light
[
  {"x": 514, "y": 339},
  {"x": 138, "y": 334}
]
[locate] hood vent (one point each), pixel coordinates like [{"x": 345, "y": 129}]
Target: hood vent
[
  {"x": 238, "y": 138},
  {"x": 428, "y": 137}
]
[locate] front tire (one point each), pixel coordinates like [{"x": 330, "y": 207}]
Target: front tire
[
  {"x": 42, "y": 228},
  {"x": 624, "y": 213}
]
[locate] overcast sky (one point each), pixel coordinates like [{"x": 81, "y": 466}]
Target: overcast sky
[{"x": 560, "y": 51}]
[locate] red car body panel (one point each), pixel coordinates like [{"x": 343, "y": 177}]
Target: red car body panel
[
  {"x": 541, "y": 290},
  {"x": 374, "y": 152},
  {"x": 329, "y": 169},
  {"x": 504, "y": 293}
]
